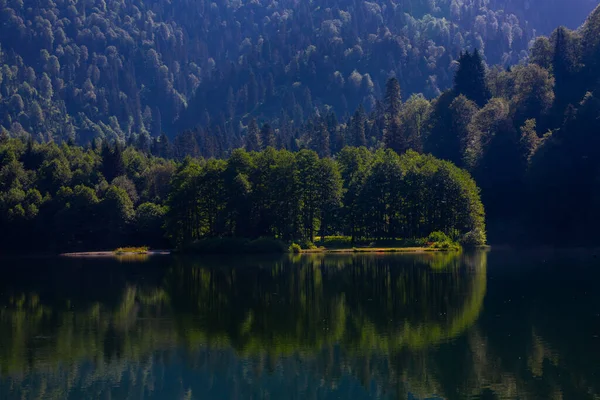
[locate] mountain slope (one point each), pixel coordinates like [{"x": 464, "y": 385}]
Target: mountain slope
[{"x": 119, "y": 68}]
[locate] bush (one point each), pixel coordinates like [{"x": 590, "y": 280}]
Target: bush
[
  {"x": 439, "y": 240},
  {"x": 335, "y": 241},
  {"x": 295, "y": 248},
  {"x": 474, "y": 238},
  {"x": 446, "y": 245},
  {"x": 307, "y": 244},
  {"x": 437, "y": 236},
  {"x": 134, "y": 250}
]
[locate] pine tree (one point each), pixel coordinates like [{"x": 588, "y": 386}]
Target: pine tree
[
  {"x": 358, "y": 127},
  {"x": 470, "y": 78},
  {"x": 565, "y": 88},
  {"x": 143, "y": 142},
  {"x": 267, "y": 137},
  {"x": 162, "y": 147},
  {"x": 393, "y": 106},
  {"x": 322, "y": 142},
  {"x": 112, "y": 160},
  {"x": 252, "y": 136}
]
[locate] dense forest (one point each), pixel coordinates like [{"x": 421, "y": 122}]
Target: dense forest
[
  {"x": 132, "y": 69},
  {"x": 67, "y": 197},
  {"x": 526, "y": 133}
]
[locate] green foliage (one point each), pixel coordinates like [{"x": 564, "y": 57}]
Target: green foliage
[
  {"x": 345, "y": 242},
  {"x": 469, "y": 79},
  {"x": 446, "y": 246},
  {"x": 132, "y": 250},
  {"x": 56, "y": 196},
  {"x": 149, "y": 221},
  {"x": 307, "y": 245},
  {"x": 295, "y": 248},
  {"x": 275, "y": 194},
  {"x": 525, "y": 133},
  {"x": 473, "y": 238},
  {"x": 383, "y": 193},
  {"x": 334, "y": 242},
  {"x": 437, "y": 237}
]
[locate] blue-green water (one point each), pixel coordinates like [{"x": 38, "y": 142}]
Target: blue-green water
[{"x": 486, "y": 325}]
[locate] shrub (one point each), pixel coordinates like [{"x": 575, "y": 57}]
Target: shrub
[
  {"x": 335, "y": 241},
  {"x": 439, "y": 240},
  {"x": 474, "y": 238},
  {"x": 295, "y": 248},
  {"x": 446, "y": 245},
  {"x": 135, "y": 250},
  {"x": 307, "y": 244},
  {"x": 437, "y": 236}
]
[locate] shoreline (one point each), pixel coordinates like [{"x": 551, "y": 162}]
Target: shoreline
[
  {"x": 362, "y": 250},
  {"x": 113, "y": 254},
  {"x": 377, "y": 250}
]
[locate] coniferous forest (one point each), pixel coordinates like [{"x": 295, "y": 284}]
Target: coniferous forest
[{"x": 121, "y": 121}]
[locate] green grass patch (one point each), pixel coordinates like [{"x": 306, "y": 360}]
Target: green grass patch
[
  {"x": 436, "y": 241},
  {"x": 132, "y": 250}
]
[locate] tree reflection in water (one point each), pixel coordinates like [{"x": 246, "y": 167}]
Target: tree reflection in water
[{"x": 380, "y": 326}]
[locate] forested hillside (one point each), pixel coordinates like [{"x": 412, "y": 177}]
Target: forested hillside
[
  {"x": 132, "y": 69},
  {"x": 527, "y": 134}
]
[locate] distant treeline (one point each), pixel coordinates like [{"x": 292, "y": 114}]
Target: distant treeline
[{"x": 66, "y": 197}]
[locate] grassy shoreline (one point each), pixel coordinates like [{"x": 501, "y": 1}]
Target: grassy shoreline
[
  {"x": 332, "y": 245},
  {"x": 359, "y": 250},
  {"x": 115, "y": 253},
  {"x": 376, "y": 250}
]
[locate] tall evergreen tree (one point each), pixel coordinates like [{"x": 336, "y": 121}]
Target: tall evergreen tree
[
  {"x": 162, "y": 146},
  {"x": 358, "y": 127},
  {"x": 252, "y": 136},
  {"x": 563, "y": 68},
  {"x": 393, "y": 106},
  {"x": 470, "y": 78},
  {"x": 112, "y": 160},
  {"x": 267, "y": 137},
  {"x": 321, "y": 139}
]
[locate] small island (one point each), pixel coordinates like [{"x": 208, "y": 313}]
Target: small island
[
  {"x": 120, "y": 252},
  {"x": 132, "y": 250}
]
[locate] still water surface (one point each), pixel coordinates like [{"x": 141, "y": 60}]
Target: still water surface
[{"x": 485, "y": 325}]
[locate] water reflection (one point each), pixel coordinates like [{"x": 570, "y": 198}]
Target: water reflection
[{"x": 356, "y": 326}]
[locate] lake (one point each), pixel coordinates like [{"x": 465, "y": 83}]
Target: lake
[{"x": 501, "y": 324}]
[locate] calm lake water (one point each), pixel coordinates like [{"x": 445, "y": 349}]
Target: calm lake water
[{"x": 487, "y": 325}]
